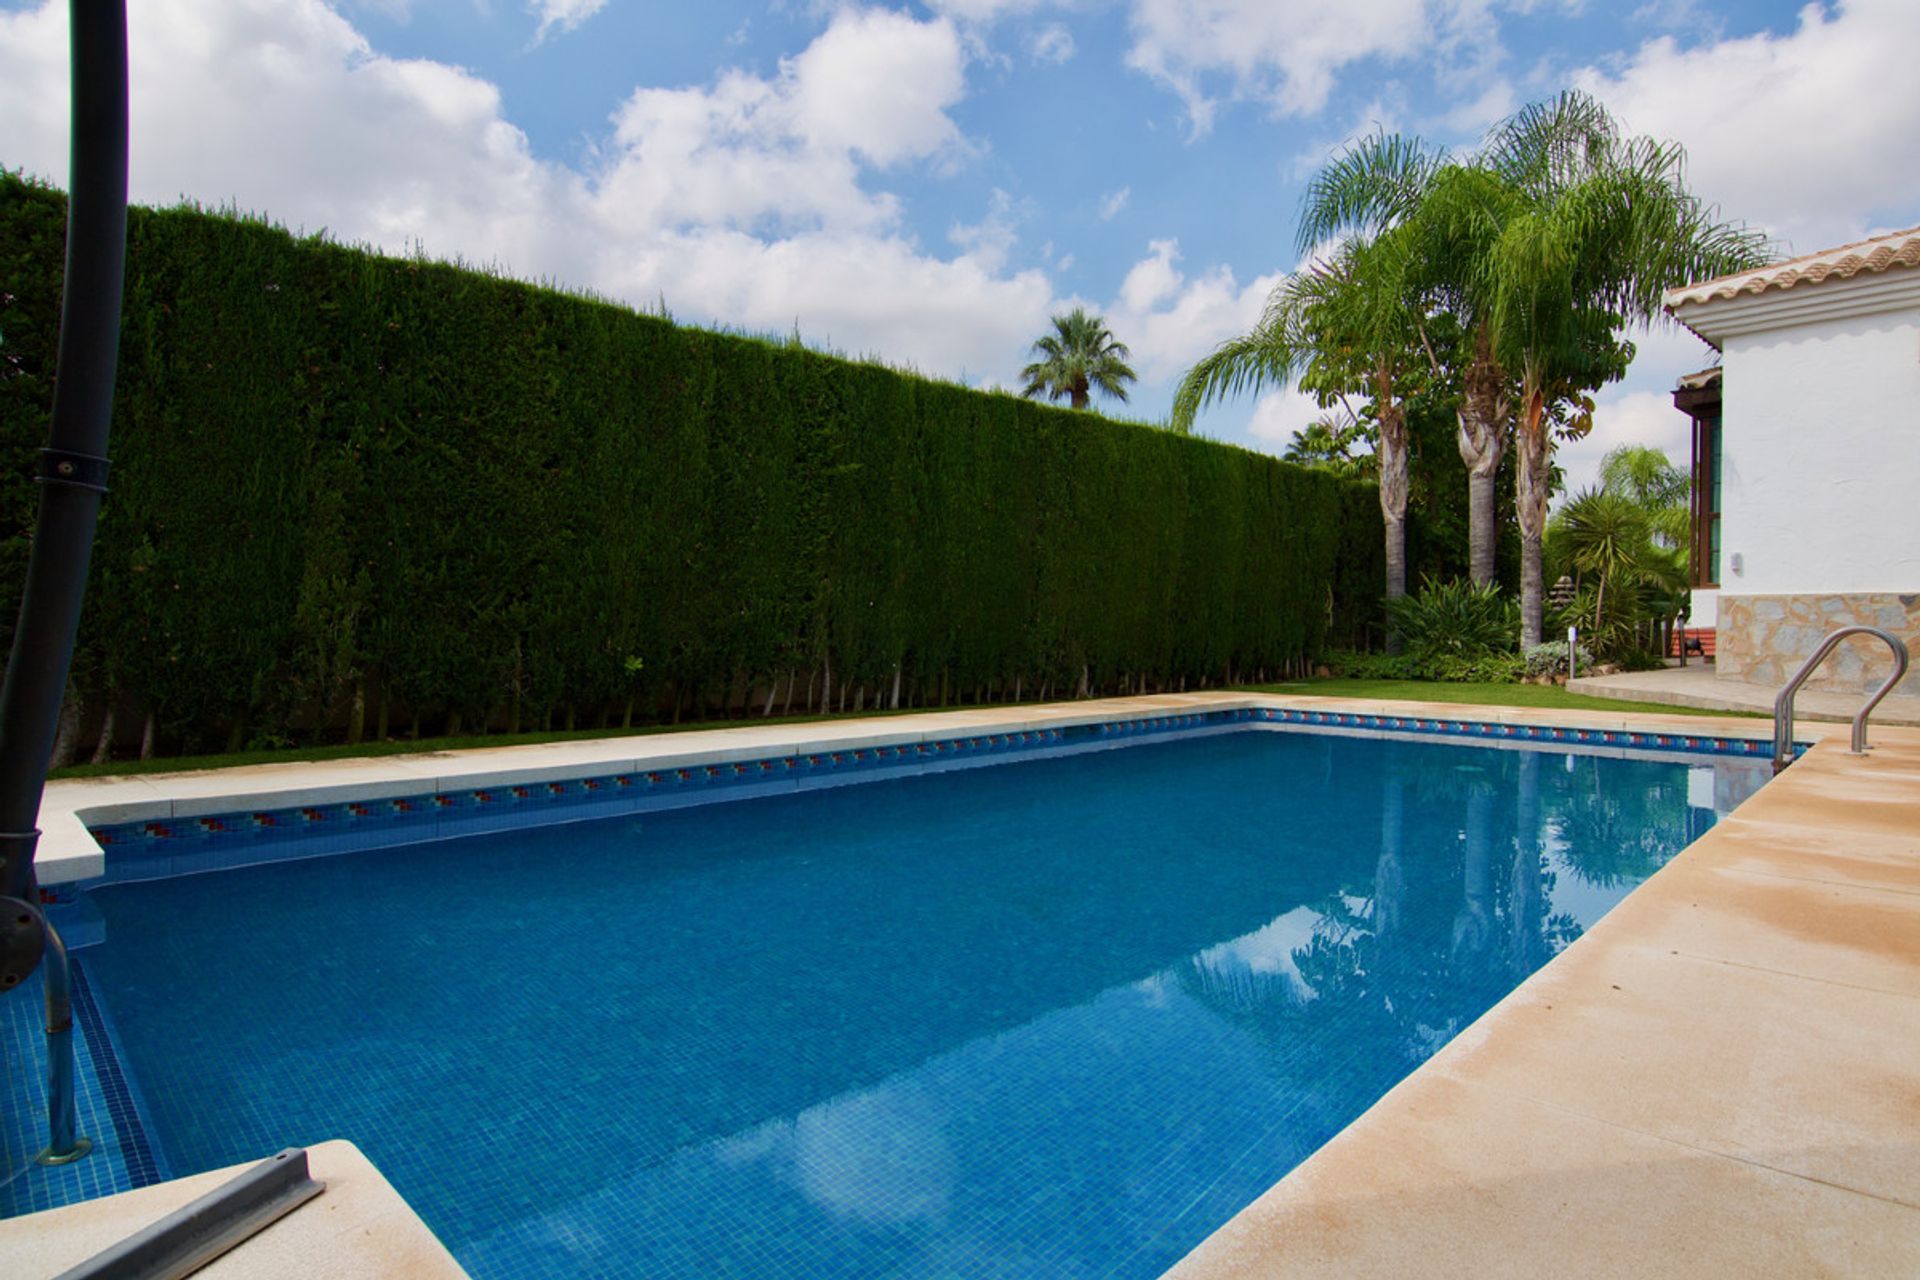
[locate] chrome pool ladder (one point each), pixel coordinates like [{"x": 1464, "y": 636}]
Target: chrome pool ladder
[{"x": 1783, "y": 705}]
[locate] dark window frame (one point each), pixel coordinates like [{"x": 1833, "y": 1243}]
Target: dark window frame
[{"x": 1702, "y": 404}]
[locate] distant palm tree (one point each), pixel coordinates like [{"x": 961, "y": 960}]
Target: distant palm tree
[
  {"x": 1079, "y": 356},
  {"x": 1646, "y": 475}
]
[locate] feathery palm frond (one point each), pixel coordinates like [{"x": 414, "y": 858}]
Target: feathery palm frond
[{"x": 1372, "y": 185}]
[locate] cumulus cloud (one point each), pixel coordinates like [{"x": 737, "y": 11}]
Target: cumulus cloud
[
  {"x": 282, "y": 106},
  {"x": 983, "y": 12},
  {"x": 1113, "y": 202},
  {"x": 1622, "y": 418},
  {"x": 872, "y": 90},
  {"x": 1277, "y": 414},
  {"x": 1284, "y": 52},
  {"x": 562, "y": 15},
  {"x": 745, "y": 201},
  {"x": 1170, "y": 319},
  {"x": 1807, "y": 133},
  {"x": 1052, "y": 43},
  {"x": 1639, "y": 410}
]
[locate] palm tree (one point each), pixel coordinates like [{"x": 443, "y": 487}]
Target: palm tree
[
  {"x": 1623, "y": 574},
  {"x": 1077, "y": 357},
  {"x": 1450, "y": 211},
  {"x": 1601, "y": 227},
  {"x": 1646, "y": 475},
  {"x": 1344, "y": 324}
]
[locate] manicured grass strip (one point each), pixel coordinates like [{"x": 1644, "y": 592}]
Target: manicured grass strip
[{"x": 1491, "y": 695}]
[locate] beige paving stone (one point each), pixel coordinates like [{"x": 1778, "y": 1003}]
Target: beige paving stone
[
  {"x": 1609, "y": 1033},
  {"x": 1854, "y": 935},
  {"x": 1446, "y": 1178},
  {"x": 357, "y": 1229},
  {"x": 1811, "y": 850}
]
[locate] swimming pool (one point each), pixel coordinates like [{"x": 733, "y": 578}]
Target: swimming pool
[{"x": 1061, "y": 1018}]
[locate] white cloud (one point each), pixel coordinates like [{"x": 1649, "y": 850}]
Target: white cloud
[
  {"x": 562, "y": 15},
  {"x": 990, "y": 240},
  {"x": 1621, "y": 418},
  {"x": 878, "y": 83},
  {"x": 282, "y": 106},
  {"x": 1279, "y": 413},
  {"x": 743, "y": 202},
  {"x": 1639, "y": 409},
  {"x": 1808, "y": 134},
  {"x": 1284, "y": 52},
  {"x": 983, "y": 12},
  {"x": 1113, "y": 202},
  {"x": 1170, "y": 320},
  {"x": 1052, "y": 43}
]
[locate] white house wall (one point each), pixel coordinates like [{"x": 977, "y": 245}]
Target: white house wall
[
  {"x": 1820, "y": 496},
  {"x": 1821, "y": 464}
]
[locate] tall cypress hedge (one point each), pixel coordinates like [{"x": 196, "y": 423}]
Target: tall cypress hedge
[{"x": 358, "y": 494}]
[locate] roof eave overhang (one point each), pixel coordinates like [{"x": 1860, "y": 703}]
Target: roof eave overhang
[{"x": 1717, "y": 319}]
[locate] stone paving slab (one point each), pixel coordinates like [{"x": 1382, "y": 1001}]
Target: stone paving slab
[
  {"x": 357, "y": 1229},
  {"x": 1696, "y": 685}
]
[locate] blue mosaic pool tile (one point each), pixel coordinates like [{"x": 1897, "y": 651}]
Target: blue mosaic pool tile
[{"x": 123, "y": 1156}]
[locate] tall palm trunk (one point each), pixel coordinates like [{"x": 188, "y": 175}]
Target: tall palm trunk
[
  {"x": 1483, "y": 442},
  {"x": 1533, "y": 475},
  {"x": 1393, "y": 490}
]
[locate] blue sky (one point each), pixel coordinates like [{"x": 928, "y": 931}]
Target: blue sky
[{"x": 927, "y": 183}]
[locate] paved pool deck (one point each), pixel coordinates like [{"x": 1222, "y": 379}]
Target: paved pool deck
[
  {"x": 1696, "y": 685},
  {"x": 1719, "y": 1078},
  {"x": 357, "y": 1229}
]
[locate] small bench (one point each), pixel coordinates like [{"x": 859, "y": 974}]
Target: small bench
[{"x": 1698, "y": 642}]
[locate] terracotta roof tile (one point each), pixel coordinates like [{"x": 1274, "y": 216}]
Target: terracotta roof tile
[
  {"x": 1881, "y": 253},
  {"x": 1704, "y": 378}
]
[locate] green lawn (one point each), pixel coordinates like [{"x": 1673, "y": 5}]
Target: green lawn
[
  {"x": 1512, "y": 695},
  {"x": 1507, "y": 695}
]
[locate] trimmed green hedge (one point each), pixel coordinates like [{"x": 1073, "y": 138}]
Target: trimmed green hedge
[{"x": 352, "y": 493}]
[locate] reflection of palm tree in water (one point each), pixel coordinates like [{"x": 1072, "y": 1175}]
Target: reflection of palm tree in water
[
  {"x": 1473, "y": 923},
  {"x": 1526, "y": 897},
  {"x": 1381, "y": 968},
  {"x": 1389, "y": 876}
]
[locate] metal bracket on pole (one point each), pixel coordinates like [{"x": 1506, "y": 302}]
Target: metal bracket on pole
[
  {"x": 82, "y": 470},
  {"x": 195, "y": 1234},
  {"x": 23, "y": 940}
]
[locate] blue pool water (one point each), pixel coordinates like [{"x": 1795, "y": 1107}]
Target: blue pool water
[{"x": 1061, "y": 1017}]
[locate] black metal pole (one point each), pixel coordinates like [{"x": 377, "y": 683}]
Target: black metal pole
[{"x": 73, "y": 466}]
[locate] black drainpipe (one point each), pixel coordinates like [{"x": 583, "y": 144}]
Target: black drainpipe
[{"x": 73, "y": 473}]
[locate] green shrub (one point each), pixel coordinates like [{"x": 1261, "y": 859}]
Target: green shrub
[
  {"x": 1455, "y": 617},
  {"x": 1550, "y": 659},
  {"x": 353, "y": 492},
  {"x": 1485, "y": 668}
]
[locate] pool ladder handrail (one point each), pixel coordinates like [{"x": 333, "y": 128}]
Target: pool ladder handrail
[{"x": 1783, "y": 705}]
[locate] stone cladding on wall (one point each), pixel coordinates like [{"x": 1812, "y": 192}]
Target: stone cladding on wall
[{"x": 1763, "y": 639}]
